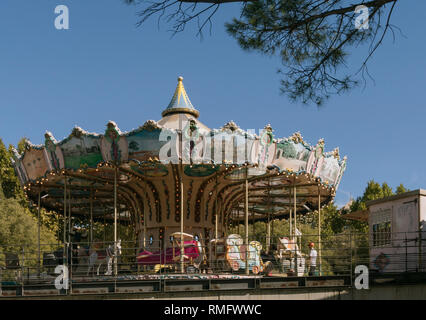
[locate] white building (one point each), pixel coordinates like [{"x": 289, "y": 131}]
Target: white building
[{"x": 397, "y": 232}]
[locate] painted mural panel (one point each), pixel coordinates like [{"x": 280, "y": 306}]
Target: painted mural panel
[
  {"x": 144, "y": 144},
  {"x": 53, "y": 153},
  {"x": 193, "y": 149},
  {"x": 243, "y": 148},
  {"x": 229, "y": 147},
  {"x": 20, "y": 170},
  {"x": 81, "y": 152},
  {"x": 291, "y": 155},
  {"x": 35, "y": 163},
  {"x": 114, "y": 146},
  {"x": 266, "y": 147},
  {"x": 223, "y": 147},
  {"x": 258, "y": 155},
  {"x": 329, "y": 170},
  {"x": 342, "y": 165},
  {"x": 316, "y": 158}
]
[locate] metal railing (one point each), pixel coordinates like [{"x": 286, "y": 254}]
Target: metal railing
[{"x": 100, "y": 267}]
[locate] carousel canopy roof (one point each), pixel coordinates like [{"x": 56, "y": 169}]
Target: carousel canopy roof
[
  {"x": 150, "y": 161},
  {"x": 180, "y": 102}
]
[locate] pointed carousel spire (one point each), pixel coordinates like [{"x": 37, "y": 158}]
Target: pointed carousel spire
[{"x": 180, "y": 102}]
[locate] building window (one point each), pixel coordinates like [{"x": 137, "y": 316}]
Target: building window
[{"x": 382, "y": 234}]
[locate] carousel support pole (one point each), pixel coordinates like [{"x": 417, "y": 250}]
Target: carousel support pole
[
  {"x": 268, "y": 234},
  {"x": 290, "y": 216},
  {"x": 38, "y": 234},
  {"x": 216, "y": 221},
  {"x": 215, "y": 231},
  {"x": 69, "y": 230},
  {"x": 247, "y": 229},
  {"x": 295, "y": 228},
  {"x": 91, "y": 216},
  {"x": 65, "y": 218},
  {"x": 144, "y": 237},
  {"x": 144, "y": 231},
  {"x": 268, "y": 225},
  {"x": 319, "y": 229},
  {"x": 272, "y": 227},
  {"x": 104, "y": 226},
  {"x": 69, "y": 215},
  {"x": 222, "y": 218},
  {"x": 238, "y": 221},
  {"x": 252, "y": 219},
  {"x": 115, "y": 222},
  {"x": 295, "y": 210},
  {"x": 182, "y": 247}
]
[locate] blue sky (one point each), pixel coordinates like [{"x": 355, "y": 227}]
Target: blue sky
[{"x": 105, "y": 68}]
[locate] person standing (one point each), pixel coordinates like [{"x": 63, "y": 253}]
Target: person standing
[{"x": 312, "y": 259}]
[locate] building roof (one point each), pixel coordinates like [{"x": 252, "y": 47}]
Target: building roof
[
  {"x": 180, "y": 102},
  {"x": 420, "y": 192},
  {"x": 361, "y": 215}
]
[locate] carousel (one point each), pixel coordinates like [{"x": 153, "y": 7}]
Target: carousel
[{"x": 178, "y": 183}]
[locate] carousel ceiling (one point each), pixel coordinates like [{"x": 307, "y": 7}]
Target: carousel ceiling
[{"x": 150, "y": 162}]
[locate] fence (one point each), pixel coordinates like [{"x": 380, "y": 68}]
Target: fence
[{"x": 96, "y": 267}]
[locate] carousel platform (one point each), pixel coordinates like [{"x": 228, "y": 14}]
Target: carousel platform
[{"x": 168, "y": 284}]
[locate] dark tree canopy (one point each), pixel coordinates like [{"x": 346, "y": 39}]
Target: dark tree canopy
[{"x": 313, "y": 38}]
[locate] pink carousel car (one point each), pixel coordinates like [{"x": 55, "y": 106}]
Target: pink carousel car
[{"x": 193, "y": 253}]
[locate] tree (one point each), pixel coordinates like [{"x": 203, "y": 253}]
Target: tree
[
  {"x": 401, "y": 189},
  {"x": 22, "y": 144},
  {"x": 313, "y": 38},
  {"x": 11, "y": 189},
  {"x": 373, "y": 191},
  {"x": 386, "y": 190},
  {"x": 18, "y": 226},
  {"x": 8, "y": 180}
]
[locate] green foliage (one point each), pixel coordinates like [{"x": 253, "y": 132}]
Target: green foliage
[
  {"x": 333, "y": 222},
  {"x": 18, "y": 226},
  {"x": 22, "y": 144},
  {"x": 19, "y": 233},
  {"x": 18, "y": 223},
  {"x": 105, "y": 232},
  {"x": 375, "y": 191},
  {"x": 9, "y": 181},
  {"x": 401, "y": 189},
  {"x": 386, "y": 190},
  {"x": 312, "y": 38}
]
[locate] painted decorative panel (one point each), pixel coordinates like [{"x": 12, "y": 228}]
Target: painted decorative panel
[
  {"x": 291, "y": 155},
  {"x": 35, "y": 163},
  {"x": 144, "y": 144},
  {"x": 81, "y": 152}
]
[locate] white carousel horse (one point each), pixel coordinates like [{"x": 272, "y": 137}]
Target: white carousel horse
[
  {"x": 288, "y": 252},
  {"x": 288, "y": 247},
  {"x": 108, "y": 258}
]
